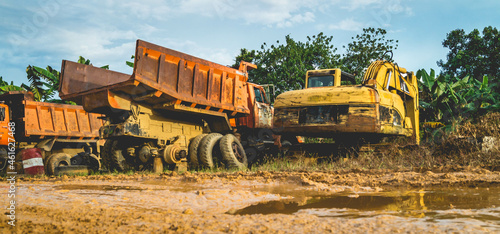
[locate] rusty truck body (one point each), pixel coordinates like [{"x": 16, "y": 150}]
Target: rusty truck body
[
  {"x": 385, "y": 104},
  {"x": 173, "y": 108},
  {"x": 62, "y": 132}
]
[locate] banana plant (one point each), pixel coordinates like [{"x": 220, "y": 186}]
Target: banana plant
[
  {"x": 446, "y": 98},
  {"x": 6, "y": 87},
  {"x": 44, "y": 83},
  {"x": 442, "y": 97},
  {"x": 482, "y": 98}
]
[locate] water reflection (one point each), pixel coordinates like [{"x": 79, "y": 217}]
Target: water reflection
[{"x": 414, "y": 203}]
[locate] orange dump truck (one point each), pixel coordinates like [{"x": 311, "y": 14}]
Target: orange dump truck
[
  {"x": 174, "y": 108},
  {"x": 50, "y": 134}
]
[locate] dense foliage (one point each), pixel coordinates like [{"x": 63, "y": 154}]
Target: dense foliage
[
  {"x": 365, "y": 48},
  {"x": 472, "y": 54},
  {"x": 446, "y": 98},
  {"x": 285, "y": 65}
]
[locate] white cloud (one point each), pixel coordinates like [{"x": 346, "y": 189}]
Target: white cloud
[
  {"x": 280, "y": 13},
  {"x": 347, "y": 25},
  {"x": 391, "y": 6},
  {"x": 144, "y": 9},
  {"x": 357, "y": 4}
]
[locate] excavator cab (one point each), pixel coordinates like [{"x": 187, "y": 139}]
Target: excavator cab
[{"x": 328, "y": 78}]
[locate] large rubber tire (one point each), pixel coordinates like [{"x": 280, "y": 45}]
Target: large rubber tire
[
  {"x": 57, "y": 160},
  {"x": 106, "y": 154},
  {"x": 208, "y": 148},
  {"x": 233, "y": 153},
  {"x": 113, "y": 157},
  {"x": 117, "y": 159},
  {"x": 193, "y": 150},
  {"x": 94, "y": 163}
]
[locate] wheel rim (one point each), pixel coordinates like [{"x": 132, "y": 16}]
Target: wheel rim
[{"x": 237, "y": 152}]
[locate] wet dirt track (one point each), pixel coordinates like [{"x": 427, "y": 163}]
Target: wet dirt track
[{"x": 459, "y": 200}]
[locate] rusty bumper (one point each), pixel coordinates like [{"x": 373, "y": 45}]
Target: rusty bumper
[{"x": 338, "y": 120}]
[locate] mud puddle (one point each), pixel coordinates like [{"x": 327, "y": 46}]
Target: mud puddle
[
  {"x": 95, "y": 187},
  {"x": 263, "y": 202},
  {"x": 481, "y": 205}
]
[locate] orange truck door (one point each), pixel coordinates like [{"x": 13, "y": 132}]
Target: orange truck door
[{"x": 4, "y": 125}]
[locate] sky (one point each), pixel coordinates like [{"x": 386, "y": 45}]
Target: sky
[{"x": 44, "y": 32}]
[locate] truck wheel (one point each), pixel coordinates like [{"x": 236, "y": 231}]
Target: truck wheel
[
  {"x": 106, "y": 154},
  {"x": 193, "y": 150},
  {"x": 118, "y": 161},
  {"x": 94, "y": 163},
  {"x": 57, "y": 160},
  {"x": 233, "y": 153},
  {"x": 207, "y": 149}
]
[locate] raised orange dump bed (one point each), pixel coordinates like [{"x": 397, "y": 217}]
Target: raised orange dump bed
[{"x": 161, "y": 77}]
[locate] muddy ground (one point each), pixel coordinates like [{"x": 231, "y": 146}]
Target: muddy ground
[{"x": 371, "y": 201}]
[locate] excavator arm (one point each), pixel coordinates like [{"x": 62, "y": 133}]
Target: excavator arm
[{"x": 387, "y": 76}]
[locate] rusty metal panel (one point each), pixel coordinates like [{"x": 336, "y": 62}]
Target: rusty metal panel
[
  {"x": 78, "y": 78},
  {"x": 161, "y": 77},
  {"x": 264, "y": 115},
  {"x": 61, "y": 120},
  {"x": 328, "y": 120},
  {"x": 190, "y": 79}
]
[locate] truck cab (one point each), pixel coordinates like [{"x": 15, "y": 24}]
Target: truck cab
[
  {"x": 4, "y": 134},
  {"x": 261, "y": 111}
]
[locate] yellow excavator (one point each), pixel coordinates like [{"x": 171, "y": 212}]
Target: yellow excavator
[{"x": 333, "y": 106}]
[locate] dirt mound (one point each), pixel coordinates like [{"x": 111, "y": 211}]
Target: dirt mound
[{"x": 487, "y": 125}]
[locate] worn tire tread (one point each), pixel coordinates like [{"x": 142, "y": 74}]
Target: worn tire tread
[
  {"x": 206, "y": 147},
  {"x": 193, "y": 150},
  {"x": 228, "y": 155},
  {"x": 106, "y": 155}
]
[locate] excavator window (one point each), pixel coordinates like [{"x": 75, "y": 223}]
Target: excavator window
[{"x": 320, "y": 81}]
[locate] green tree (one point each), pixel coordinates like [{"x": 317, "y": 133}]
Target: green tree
[
  {"x": 472, "y": 54},
  {"x": 285, "y": 65},
  {"x": 365, "y": 48}
]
